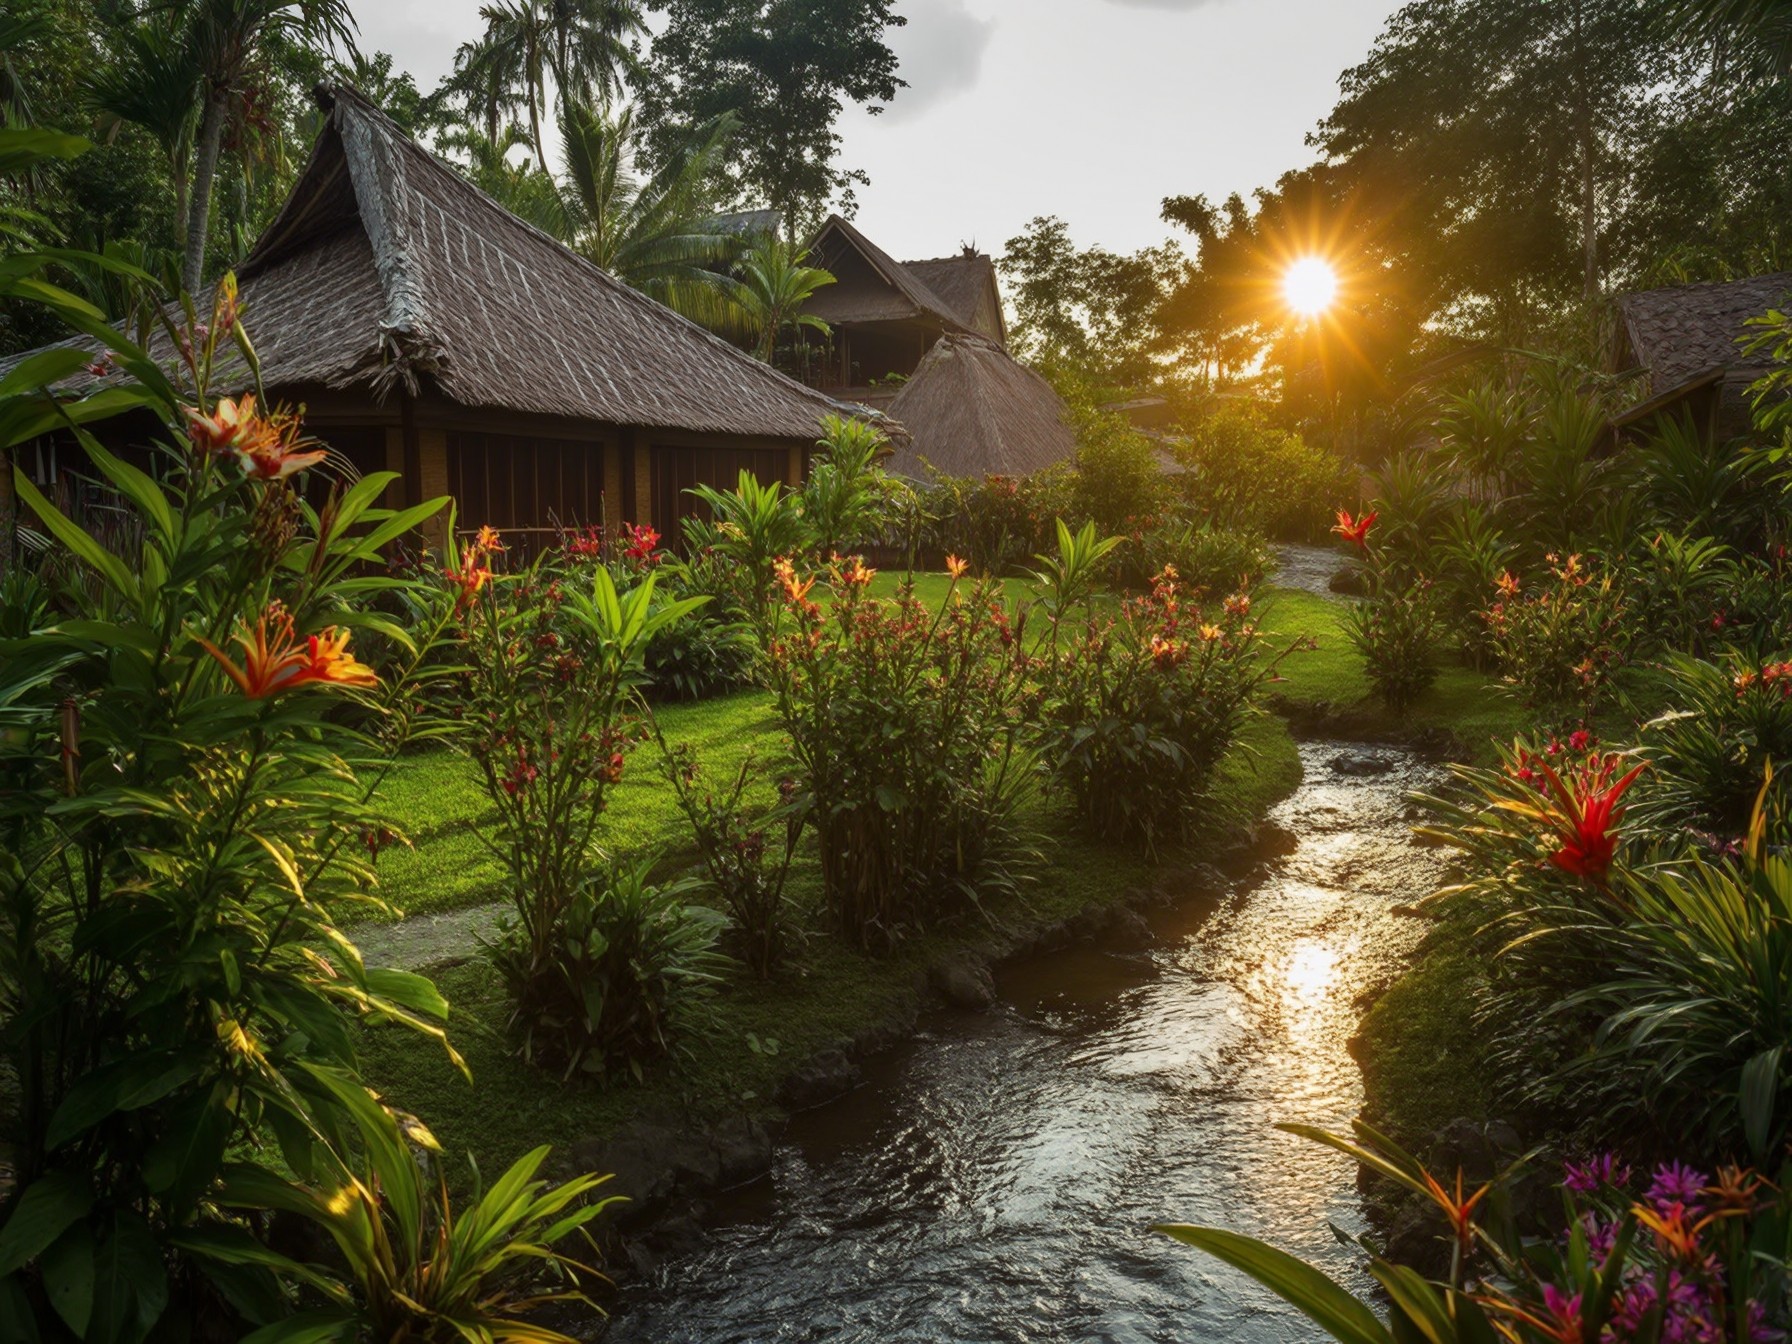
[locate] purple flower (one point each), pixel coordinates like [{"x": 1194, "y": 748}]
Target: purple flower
[
  {"x": 1677, "y": 1183},
  {"x": 1564, "y": 1311},
  {"x": 1584, "y": 1178},
  {"x": 1601, "y": 1236}
]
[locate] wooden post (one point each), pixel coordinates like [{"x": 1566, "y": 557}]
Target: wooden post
[
  {"x": 432, "y": 482},
  {"x": 9, "y": 513},
  {"x": 613, "y": 487},
  {"x": 793, "y": 471},
  {"x": 643, "y": 481}
]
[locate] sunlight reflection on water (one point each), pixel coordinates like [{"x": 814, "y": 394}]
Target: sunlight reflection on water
[{"x": 995, "y": 1181}]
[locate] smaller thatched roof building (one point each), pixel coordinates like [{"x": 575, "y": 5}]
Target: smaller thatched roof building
[
  {"x": 972, "y": 409},
  {"x": 1688, "y": 340}
]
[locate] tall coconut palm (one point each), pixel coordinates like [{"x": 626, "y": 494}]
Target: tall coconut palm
[
  {"x": 658, "y": 232},
  {"x": 21, "y": 22},
  {"x": 522, "y": 188},
  {"x": 152, "y": 81},
  {"x": 775, "y": 282},
  {"x": 227, "y": 37},
  {"x": 574, "y": 43},
  {"x": 1760, "y": 28}
]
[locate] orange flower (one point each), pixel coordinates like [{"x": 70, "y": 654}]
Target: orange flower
[
  {"x": 1673, "y": 1230},
  {"x": 224, "y": 429},
  {"x": 1210, "y": 632},
  {"x": 275, "y": 661},
  {"x": 488, "y": 541},
  {"x": 327, "y": 659},
  {"x": 1458, "y": 1209},
  {"x": 1508, "y": 583},
  {"x": 956, "y": 567},
  {"x": 794, "y": 589},
  {"x": 469, "y": 578},
  {"x": 858, "y": 575},
  {"x": 268, "y": 447},
  {"x": 1167, "y": 653}
]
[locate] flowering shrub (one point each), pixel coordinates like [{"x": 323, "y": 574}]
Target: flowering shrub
[
  {"x": 189, "y": 749},
  {"x": 746, "y": 869},
  {"x": 1253, "y": 477},
  {"x": 1206, "y": 558},
  {"x": 1396, "y": 628},
  {"x": 996, "y": 522},
  {"x": 553, "y": 666},
  {"x": 1141, "y": 705},
  {"x": 906, "y": 727},
  {"x": 1676, "y": 1261},
  {"x": 1558, "y": 642}
]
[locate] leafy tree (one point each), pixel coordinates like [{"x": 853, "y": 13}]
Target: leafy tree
[
  {"x": 1089, "y": 309},
  {"x": 786, "y": 69}
]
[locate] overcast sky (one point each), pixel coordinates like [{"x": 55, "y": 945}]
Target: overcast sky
[{"x": 1093, "y": 110}]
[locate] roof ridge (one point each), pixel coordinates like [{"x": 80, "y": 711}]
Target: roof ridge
[{"x": 897, "y": 273}]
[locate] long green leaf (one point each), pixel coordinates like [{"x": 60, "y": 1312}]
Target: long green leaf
[
  {"x": 47, "y": 1208},
  {"x": 1296, "y": 1282}
]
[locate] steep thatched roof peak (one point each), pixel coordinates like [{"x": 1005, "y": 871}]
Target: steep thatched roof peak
[
  {"x": 972, "y": 409},
  {"x": 966, "y": 283},
  {"x": 914, "y": 298}
]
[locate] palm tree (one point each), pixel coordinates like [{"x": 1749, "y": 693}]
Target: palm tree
[
  {"x": 775, "y": 283},
  {"x": 21, "y": 22},
  {"x": 152, "y": 81},
  {"x": 1762, "y": 28},
  {"x": 226, "y": 39},
  {"x": 576, "y": 43},
  {"x": 523, "y": 188},
  {"x": 656, "y": 233}
]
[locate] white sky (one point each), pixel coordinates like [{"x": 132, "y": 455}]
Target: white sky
[{"x": 1093, "y": 110}]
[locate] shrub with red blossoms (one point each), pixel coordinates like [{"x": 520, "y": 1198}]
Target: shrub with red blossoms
[{"x": 1557, "y": 640}]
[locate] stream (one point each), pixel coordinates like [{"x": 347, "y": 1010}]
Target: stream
[{"x": 994, "y": 1180}]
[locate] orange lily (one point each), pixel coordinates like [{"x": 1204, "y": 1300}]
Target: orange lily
[
  {"x": 469, "y": 578},
  {"x": 274, "y": 660},
  {"x": 794, "y": 589},
  {"x": 956, "y": 567},
  {"x": 488, "y": 542},
  {"x": 1672, "y": 1230}
]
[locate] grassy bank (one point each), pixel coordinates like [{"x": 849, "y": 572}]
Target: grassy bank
[{"x": 830, "y": 994}]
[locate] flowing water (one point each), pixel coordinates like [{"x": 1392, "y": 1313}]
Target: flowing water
[{"x": 994, "y": 1180}]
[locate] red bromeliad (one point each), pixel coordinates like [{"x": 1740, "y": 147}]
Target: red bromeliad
[
  {"x": 1585, "y": 814},
  {"x": 1355, "y": 529}
]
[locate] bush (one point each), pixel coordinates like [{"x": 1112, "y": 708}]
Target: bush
[
  {"x": 1141, "y": 706},
  {"x": 1119, "y": 477},
  {"x": 1246, "y": 476},
  {"x": 1558, "y": 642},
  {"x": 1396, "y": 629},
  {"x": 630, "y": 964},
  {"x": 188, "y": 753},
  {"x": 553, "y": 664},
  {"x": 998, "y": 522},
  {"x": 1207, "y": 559},
  {"x": 746, "y": 871},
  {"x": 906, "y": 727}
]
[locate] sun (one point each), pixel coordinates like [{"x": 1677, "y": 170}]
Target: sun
[{"x": 1309, "y": 285}]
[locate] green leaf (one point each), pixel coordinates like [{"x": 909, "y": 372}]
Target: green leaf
[
  {"x": 126, "y": 1085},
  {"x": 130, "y": 1283},
  {"x": 1756, "y": 1095},
  {"x": 44, "y": 1212},
  {"x": 1296, "y": 1282},
  {"x": 308, "y": 1327},
  {"x": 133, "y": 484},
  {"x": 409, "y": 990},
  {"x": 17, "y": 1319},
  {"x": 67, "y": 1266},
  {"x": 85, "y": 548},
  {"x": 184, "y": 1161}
]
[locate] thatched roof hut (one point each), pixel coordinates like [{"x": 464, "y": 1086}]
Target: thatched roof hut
[
  {"x": 431, "y": 331},
  {"x": 1688, "y": 341},
  {"x": 972, "y": 409}
]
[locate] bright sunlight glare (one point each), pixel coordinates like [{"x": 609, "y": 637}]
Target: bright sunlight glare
[{"x": 1310, "y": 285}]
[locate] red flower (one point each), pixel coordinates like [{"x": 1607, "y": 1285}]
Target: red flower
[
  {"x": 1355, "y": 529},
  {"x": 469, "y": 578},
  {"x": 643, "y": 541},
  {"x": 269, "y": 447},
  {"x": 1586, "y": 816}
]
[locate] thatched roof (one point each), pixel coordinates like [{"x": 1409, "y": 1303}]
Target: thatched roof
[
  {"x": 901, "y": 295},
  {"x": 387, "y": 268},
  {"x": 967, "y": 285},
  {"x": 1684, "y": 331},
  {"x": 972, "y": 409}
]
